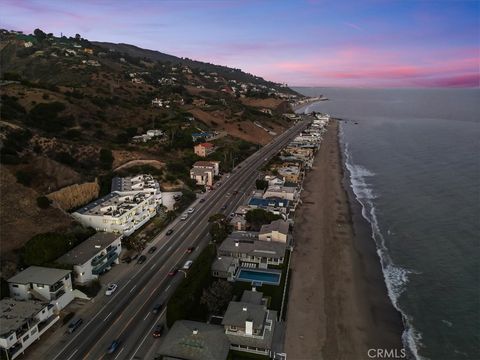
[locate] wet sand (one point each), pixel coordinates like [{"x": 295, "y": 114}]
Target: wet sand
[{"x": 338, "y": 306}]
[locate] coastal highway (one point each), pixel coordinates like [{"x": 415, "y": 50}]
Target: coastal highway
[{"x": 127, "y": 314}]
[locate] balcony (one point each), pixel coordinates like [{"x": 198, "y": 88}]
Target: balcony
[
  {"x": 101, "y": 258},
  {"x": 110, "y": 259}
]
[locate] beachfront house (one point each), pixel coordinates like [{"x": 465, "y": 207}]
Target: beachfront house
[
  {"x": 93, "y": 256},
  {"x": 225, "y": 267},
  {"x": 283, "y": 192},
  {"x": 22, "y": 323},
  {"x": 250, "y": 325},
  {"x": 44, "y": 284},
  {"x": 277, "y": 206},
  {"x": 275, "y": 231}
]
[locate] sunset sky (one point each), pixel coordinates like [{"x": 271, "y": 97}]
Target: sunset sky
[{"x": 310, "y": 43}]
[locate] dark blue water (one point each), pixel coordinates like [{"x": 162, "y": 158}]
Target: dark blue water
[
  {"x": 414, "y": 164},
  {"x": 255, "y": 275}
]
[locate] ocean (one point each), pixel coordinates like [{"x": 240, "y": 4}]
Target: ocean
[{"x": 413, "y": 160}]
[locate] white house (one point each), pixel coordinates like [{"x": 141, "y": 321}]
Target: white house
[
  {"x": 44, "y": 284},
  {"x": 203, "y": 172},
  {"x": 275, "y": 231},
  {"x": 282, "y": 192},
  {"x": 21, "y": 323},
  {"x": 145, "y": 183},
  {"x": 93, "y": 256}
]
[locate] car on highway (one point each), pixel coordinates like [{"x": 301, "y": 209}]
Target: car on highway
[
  {"x": 224, "y": 207},
  {"x": 191, "y": 210},
  {"x": 173, "y": 272},
  {"x": 157, "y": 332},
  {"x": 190, "y": 249},
  {"x": 113, "y": 346},
  {"x": 187, "y": 265},
  {"x": 231, "y": 215},
  {"x": 169, "y": 232},
  {"x": 134, "y": 257},
  {"x": 235, "y": 192},
  {"x": 202, "y": 200},
  {"x": 141, "y": 259},
  {"x": 111, "y": 289},
  {"x": 152, "y": 249},
  {"x": 157, "y": 308},
  {"x": 184, "y": 217},
  {"x": 74, "y": 325}
]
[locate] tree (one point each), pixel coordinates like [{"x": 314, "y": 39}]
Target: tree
[
  {"x": 39, "y": 34},
  {"x": 24, "y": 177},
  {"x": 43, "y": 202},
  {"x": 217, "y": 296},
  {"x": 106, "y": 159},
  {"x": 78, "y": 37},
  {"x": 45, "y": 248},
  {"x": 261, "y": 184},
  {"x": 219, "y": 227},
  {"x": 258, "y": 217}
]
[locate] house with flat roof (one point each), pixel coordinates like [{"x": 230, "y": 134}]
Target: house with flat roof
[
  {"x": 44, "y": 284},
  {"x": 252, "y": 252},
  {"x": 145, "y": 183},
  {"x": 192, "y": 340},
  {"x": 275, "y": 231},
  {"x": 93, "y": 256},
  {"x": 120, "y": 212},
  {"x": 277, "y": 206},
  {"x": 283, "y": 192},
  {"x": 21, "y": 323},
  {"x": 249, "y": 325},
  {"x": 291, "y": 173},
  {"x": 203, "y": 172}
]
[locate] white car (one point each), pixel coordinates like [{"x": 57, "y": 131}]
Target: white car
[
  {"x": 111, "y": 289},
  {"x": 191, "y": 210},
  {"x": 184, "y": 217},
  {"x": 187, "y": 265}
]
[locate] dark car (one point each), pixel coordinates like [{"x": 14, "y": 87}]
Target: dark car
[
  {"x": 157, "y": 332},
  {"x": 157, "y": 308},
  {"x": 235, "y": 192},
  {"x": 190, "y": 249},
  {"x": 127, "y": 259},
  {"x": 202, "y": 200},
  {"x": 152, "y": 249},
  {"x": 74, "y": 325},
  {"x": 173, "y": 272},
  {"x": 113, "y": 346},
  {"x": 169, "y": 232},
  {"x": 224, "y": 207},
  {"x": 134, "y": 257},
  {"x": 141, "y": 259}
]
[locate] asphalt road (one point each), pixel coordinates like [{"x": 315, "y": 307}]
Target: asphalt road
[{"x": 127, "y": 314}]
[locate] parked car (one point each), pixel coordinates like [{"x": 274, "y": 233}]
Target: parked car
[
  {"x": 157, "y": 308},
  {"x": 141, "y": 259},
  {"x": 187, "y": 265},
  {"x": 173, "y": 272},
  {"x": 157, "y": 332},
  {"x": 169, "y": 232},
  {"x": 113, "y": 346},
  {"x": 191, "y": 210},
  {"x": 111, "y": 289},
  {"x": 152, "y": 249},
  {"x": 127, "y": 259},
  {"x": 74, "y": 325},
  {"x": 190, "y": 249},
  {"x": 184, "y": 217},
  {"x": 231, "y": 215}
]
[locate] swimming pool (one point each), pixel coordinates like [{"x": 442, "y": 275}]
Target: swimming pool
[{"x": 270, "y": 277}]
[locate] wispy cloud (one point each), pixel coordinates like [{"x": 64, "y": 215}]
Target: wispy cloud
[{"x": 353, "y": 26}]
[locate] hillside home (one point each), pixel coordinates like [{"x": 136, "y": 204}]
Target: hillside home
[
  {"x": 93, "y": 256},
  {"x": 249, "y": 325},
  {"x": 22, "y": 323},
  {"x": 44, "y": 284},
  {"x": 203, "y": 172},
  {"x": 204, "y": 149}
]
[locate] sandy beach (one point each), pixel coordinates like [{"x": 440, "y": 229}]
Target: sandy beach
[{"x": 338, "y": 305}]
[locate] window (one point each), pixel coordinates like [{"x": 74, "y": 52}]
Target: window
[
  {"x": 15, "y": 285},
  {"x": 40, "y": 286},
  {"x": 67, "y": 277},
  {"x": 25, "y": 338},
  {"x": 34, "y": 331}
]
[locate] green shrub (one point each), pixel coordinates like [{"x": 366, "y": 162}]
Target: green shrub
[{"x": 47, "y": 247}]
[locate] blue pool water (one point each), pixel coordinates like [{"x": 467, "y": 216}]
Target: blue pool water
[{"x": 265, "y": 277}]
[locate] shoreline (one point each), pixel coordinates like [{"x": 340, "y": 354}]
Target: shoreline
[{"x": 338, "y": 307}]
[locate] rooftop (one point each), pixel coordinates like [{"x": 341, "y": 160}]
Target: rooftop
[
  {"x": 88, "y": 249},
  {"x": 238, "y": 312},
  {"x": 222, "y": 263},
  {"x": 270, "y": 202},
  {"x": 39, "y": 275},
  {"x": 133, "y": 183},
  {"x": 278, "y": 225},
  {"x": 270, "y": 249},
  {"x": 114, "y": 204},
  {"x": 191, "y": 340},
  {"x": 206, "y": 144},
  {"x": 252, "y": 297},
  {"x": 205, "y": 163},
  {"x": 14, "y": 313}
]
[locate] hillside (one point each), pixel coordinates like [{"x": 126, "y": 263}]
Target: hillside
[{"x": 73, "y": 110}]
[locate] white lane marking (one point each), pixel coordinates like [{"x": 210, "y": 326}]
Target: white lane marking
[
  {"x": 169, "y": 247},
  {"x": 107, "y": 316},
  {"x": 133, "y": 287},
  {"x": 148, "y": 334},
  {"x": 128, "y": 281},
  {"x": 72, "y": 354},
  {"x": 153, "y": 265},
  {"x": 168, "y": 287},
  {"x": 146, "y": 316},
  {"x": 119, "y": 352}
]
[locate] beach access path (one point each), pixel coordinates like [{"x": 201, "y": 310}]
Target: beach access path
[{"x": 338, "y": 306}]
